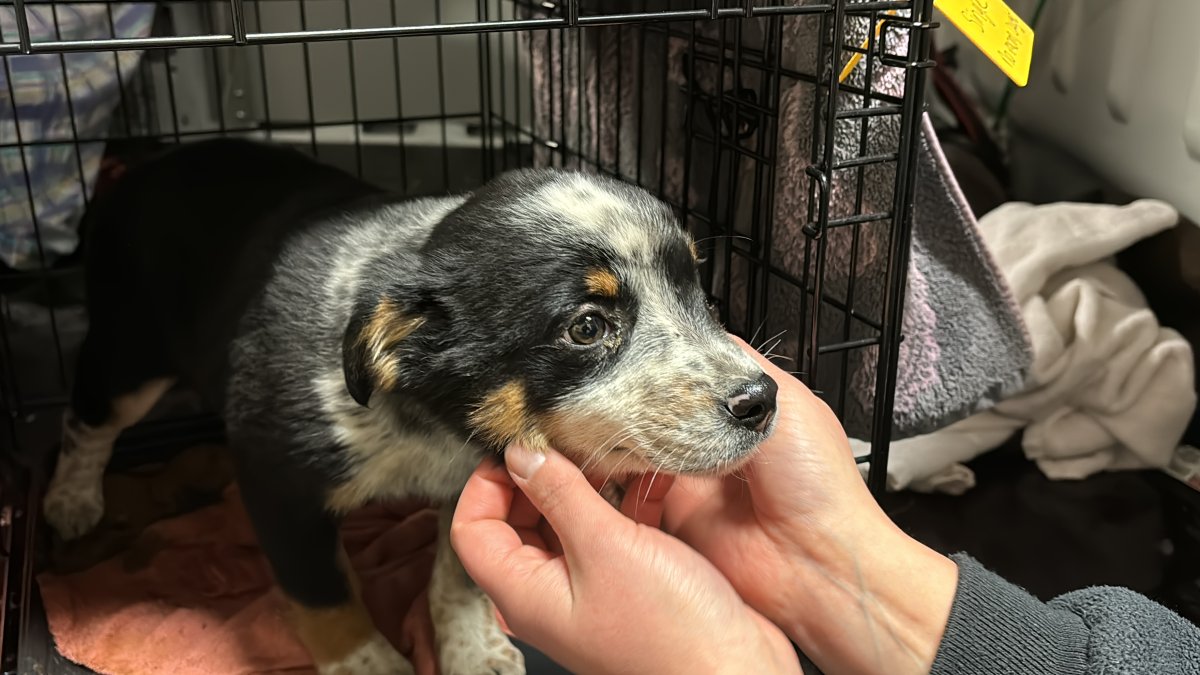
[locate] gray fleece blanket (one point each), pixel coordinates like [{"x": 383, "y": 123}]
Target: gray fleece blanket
[{"x": 621, "y": 105}]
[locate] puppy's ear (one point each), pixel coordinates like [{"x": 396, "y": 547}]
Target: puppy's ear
[{"x": 369, "y": 346}]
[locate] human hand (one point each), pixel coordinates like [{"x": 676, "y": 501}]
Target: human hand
[
  {"x": 602, "y": 591},
  {"x": 802, "y": 540}
]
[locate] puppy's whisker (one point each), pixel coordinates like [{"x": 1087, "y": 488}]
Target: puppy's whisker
[
  {"x": 465, "y": 444},
  {"x": 657, "y": 468},
  {"x": 617, "y": 465},
  {"x": 778, "y": 335},
  {"x": 623, "y": 431},
  {"x": 646, "y": 495},
  {"x": 769, "y": 352},
  {"x": 597, "y": 455},
  {"x": 757, "y": 330},
  {"x": 601, "y": 450}
]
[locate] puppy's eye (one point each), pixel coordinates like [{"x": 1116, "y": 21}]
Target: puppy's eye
[{"x": 587, "y": 329}]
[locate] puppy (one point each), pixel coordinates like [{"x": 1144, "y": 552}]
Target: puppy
[{"x": 364, "y": 347}]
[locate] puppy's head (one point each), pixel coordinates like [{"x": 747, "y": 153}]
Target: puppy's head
[{"x": 564, "y": 309}]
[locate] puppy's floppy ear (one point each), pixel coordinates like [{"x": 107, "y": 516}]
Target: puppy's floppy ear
[{"x": 369, "y": 347}]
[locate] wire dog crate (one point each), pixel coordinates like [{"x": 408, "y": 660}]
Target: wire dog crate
[{"x": 747, "y": 116}]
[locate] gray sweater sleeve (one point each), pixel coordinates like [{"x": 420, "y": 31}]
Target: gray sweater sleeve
[{"x": 996, "y": 627}]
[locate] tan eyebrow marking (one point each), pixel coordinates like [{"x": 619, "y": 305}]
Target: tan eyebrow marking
[{"x": 602, "y": 282}]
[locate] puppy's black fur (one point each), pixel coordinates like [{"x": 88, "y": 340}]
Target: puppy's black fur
[{"x": 176, "y": 253}]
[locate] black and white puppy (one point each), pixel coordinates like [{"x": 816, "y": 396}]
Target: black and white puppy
[{"x": 365, "y": 347}]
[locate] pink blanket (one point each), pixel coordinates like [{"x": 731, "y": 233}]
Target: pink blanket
[{"x": 195, "y": 596}]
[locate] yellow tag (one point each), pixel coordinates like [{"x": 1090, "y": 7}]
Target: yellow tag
[{"x": 997, "y": 31}]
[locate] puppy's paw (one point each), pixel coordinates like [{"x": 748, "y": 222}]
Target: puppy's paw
[
  {"x": 73, "y": 510},
  {"x": 491, "y": 656},
  {"x": 374, "y": 657}
]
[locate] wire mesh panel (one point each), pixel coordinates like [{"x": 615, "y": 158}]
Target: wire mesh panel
[{"x": 783, "y": 133}]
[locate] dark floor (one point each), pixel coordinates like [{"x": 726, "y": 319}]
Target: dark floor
[{"x": 1140, "y": 530}]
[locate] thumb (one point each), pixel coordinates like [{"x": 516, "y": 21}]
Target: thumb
[{"x": 560, "y": 492}]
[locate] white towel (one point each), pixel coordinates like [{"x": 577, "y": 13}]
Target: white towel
[{"x": 1109, "y": 389}]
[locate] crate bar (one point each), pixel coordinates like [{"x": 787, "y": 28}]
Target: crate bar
[
  {"x": 769, "y": 138},
  {"x": 120, "y": 44},
  {"x": 283, "y": 37},
  {"x": 640, "y": 105},
  {"x": 620, "y": 78},
  {"x": 399, "y": 84},
  {"x": 891, "y": 103},
  {"x": 237, "y": 16},
  {"x": 484, "y": 45},
  {"x": 39, "y": 240},
  {"x": 863, "y": 161},
  {"x": 847, "y": 345},
  {"x": 441, "y": 96},
  {"x": 24, "y": 44},
  {"x": 404, "y": 31},
  {"x": 855, "y": 8},
  {"x": 900, "y": 244},
  {"x": 262, "y": 77},
  {"x": 873, "y": 111},
  {"x": 264, "y": 130},
  {"x": 856, "y": 229},
  {"x": 112, "y": 31},
  {"x": 308, "y": 86},
  {"x": 730, "y": 224},
  {"x": 822, "y": 175},
  {"x": 352, "y": 58}
]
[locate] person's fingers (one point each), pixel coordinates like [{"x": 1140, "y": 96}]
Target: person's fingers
[
  {"x": 559, "y": 490},
  {"x": 488, "y": 494},
  {"x": 523, "y": 517},
  {"x": 490, "y": 549},
  {"x": 549, "y": 537},
  {"x": 643, "y": 502},
  {"x": 535, "y": 537},
  {"x": 523, "y": 514},
  {"x": 687, "y": 496}
]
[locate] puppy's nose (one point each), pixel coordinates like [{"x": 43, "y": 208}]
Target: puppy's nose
[{"x": 752, "y": 403}]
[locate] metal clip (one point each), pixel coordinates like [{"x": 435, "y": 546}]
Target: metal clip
[
  {"x": 901, "y": 61},
  {"x": 816, "y": 230}
]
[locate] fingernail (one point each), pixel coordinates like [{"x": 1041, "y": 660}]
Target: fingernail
[{"x": 523, "y": 462}]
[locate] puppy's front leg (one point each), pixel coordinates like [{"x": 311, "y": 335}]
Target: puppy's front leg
[
  {"x": 300, "y": 539},
  {"x": 469, "y": 638},
  {"x": 341, "y": 638}
]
